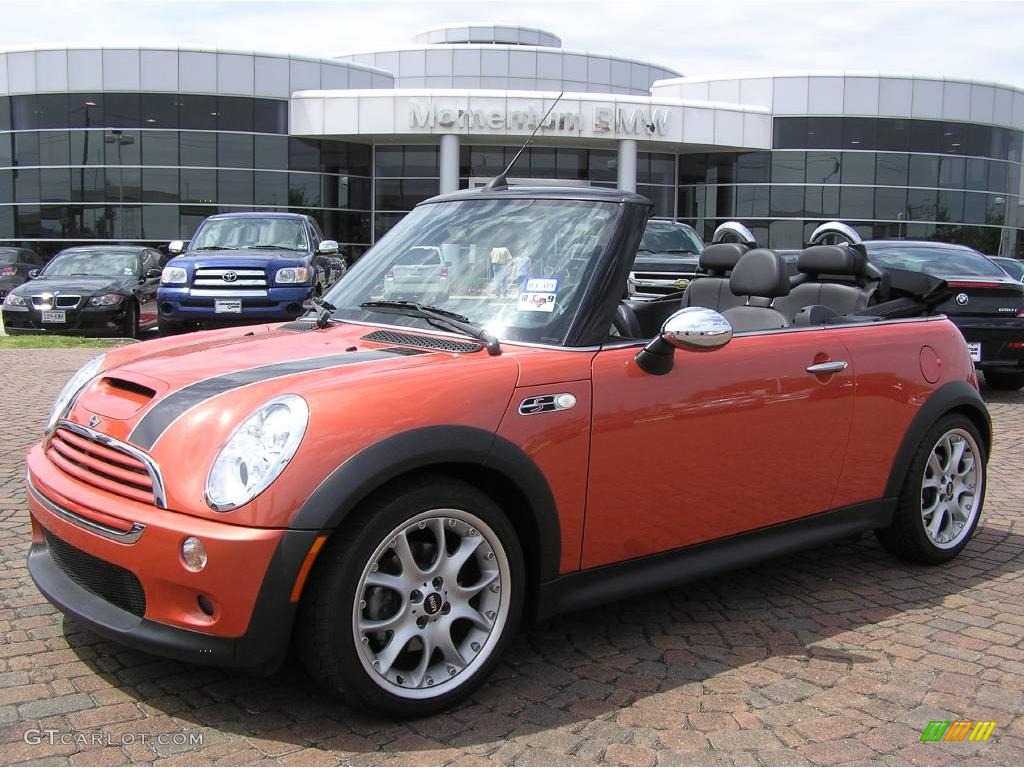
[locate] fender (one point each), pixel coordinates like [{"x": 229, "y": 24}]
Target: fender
[
  {"x": 952, "y": 395},
  {"x": 341, "y": 491}
]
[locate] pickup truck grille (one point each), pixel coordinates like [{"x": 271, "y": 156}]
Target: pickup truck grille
[
  {"x": 100, "y": 466},
  {"x": 223, "y": 278},
  {"x": 658, "y": 283}
]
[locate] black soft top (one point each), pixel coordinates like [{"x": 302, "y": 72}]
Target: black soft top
[{"x": 591, "y": 194}]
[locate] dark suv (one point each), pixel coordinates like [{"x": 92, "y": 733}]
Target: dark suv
[
  {"x": 666, "y": 260},
  {"x": 245, "y": 268}
]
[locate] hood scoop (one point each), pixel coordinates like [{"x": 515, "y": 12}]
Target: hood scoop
[
  {"x": 425, "y": 342},
  {"x": 302, "y": 324}
]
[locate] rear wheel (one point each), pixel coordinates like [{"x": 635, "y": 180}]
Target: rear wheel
[
  {"x": 1004, "y": 380},
  {"x": 411, "y": 607},
  {"x": 942, "y": 495}
]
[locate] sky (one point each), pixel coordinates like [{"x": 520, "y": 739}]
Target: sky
[{"x": 973, "y": 40}]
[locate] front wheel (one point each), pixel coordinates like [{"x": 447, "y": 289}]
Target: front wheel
[
  {"x": 130, "y": 324},
  {"x": 412, "y": 604},
  {"x": 942, "y": 495},
  {"x": 1004, "y": 380}
]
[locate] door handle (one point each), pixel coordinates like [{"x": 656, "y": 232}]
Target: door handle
[{"x": 835, "y": 366}]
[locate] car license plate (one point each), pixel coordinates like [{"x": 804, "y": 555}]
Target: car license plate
[
  {"x": 974, "y": 347},
  {"x": 229, "y": 305},
  {"x": 55, "y": 316}
]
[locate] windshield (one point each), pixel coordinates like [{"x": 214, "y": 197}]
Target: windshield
[
  {"x": 938, "y": 260},
  {"x": 250, "y": 232},
  {"x": 1012, "y": 267},
  {"x": 94, "y": 263},
  {"x": 670, "y": 238},
  {"x": 518, "y": 268}
]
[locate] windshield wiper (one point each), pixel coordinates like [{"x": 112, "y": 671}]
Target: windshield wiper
[
  {"x": 273, "y": 247},
  {"x": 439, "y": 318},
  {"x": 215, "y": 248}
]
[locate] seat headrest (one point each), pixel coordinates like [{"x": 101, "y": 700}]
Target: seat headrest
[
  {"x": 832, "y": 260},
  {"x": 760, "y": 272},
  {"x": 721, "y": 257}
]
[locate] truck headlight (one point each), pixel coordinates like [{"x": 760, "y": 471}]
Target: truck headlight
[
  {"x": 292, "y": 275},
  {"x": 256, "y": 452},
  {"x": 75, "y": 385},
  {"x": 173, "y": 276},
  {"x": 105, "y": 300},
  {"x": 15, "y": 301}
]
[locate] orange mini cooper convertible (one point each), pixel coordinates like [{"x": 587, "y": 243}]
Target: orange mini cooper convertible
[{"x": 397, "y": 480}]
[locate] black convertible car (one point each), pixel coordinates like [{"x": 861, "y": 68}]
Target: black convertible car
[{"x": 96, "y": 290}]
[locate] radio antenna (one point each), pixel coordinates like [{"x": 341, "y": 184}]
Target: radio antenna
[{"x": 500, "y": 181}]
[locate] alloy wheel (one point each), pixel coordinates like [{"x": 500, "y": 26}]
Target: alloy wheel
[{"x": 952, "y": 484}]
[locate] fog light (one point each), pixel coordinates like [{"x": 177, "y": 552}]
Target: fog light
[
  {"x": 205, "y": 605},
  {"x": 193, "y": 554}
]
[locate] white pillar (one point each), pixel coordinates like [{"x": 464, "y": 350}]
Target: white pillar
[
  {"x": 449, "y": 163},
  {"x": 627, "y": 165}
]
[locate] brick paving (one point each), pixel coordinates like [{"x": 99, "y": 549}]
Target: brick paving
[{"x": 837, "y": 655}]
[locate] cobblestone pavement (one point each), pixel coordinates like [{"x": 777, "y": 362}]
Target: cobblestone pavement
[{"x": 837, "y": 655}]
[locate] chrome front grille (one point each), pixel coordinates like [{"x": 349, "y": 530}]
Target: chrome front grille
[
  {"x": 224, "y": 278},
  {"x": 56, "y": 302}
]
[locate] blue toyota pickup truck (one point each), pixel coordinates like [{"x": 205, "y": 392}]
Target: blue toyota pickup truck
[{"x": 246, "y": 268}]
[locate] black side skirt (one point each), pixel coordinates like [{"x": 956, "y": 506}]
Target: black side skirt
[{"x": 607, "y": 583}]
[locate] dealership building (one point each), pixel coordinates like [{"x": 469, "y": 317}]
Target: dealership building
[{"x": 140, "y": 144}]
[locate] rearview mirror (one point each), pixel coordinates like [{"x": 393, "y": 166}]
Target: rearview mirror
[
  {"x": 175, "y": 247},
  {"x": 694, "y": 328},
  {"x": 33, "y": 274},
  {"x": 328, "y": 247}
]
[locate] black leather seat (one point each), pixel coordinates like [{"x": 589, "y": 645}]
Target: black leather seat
[
  {"x": 835, "y": 276},
  {"x": 711, "y": 289},
  {"x": 760, "y": 276}
]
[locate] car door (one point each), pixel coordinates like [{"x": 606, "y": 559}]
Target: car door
[
  {"x": 148, "y": 287},
  {"x": 729, "y": 440}
]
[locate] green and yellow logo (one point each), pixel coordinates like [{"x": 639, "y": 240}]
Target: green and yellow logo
[{"x": 958, "y": 730}]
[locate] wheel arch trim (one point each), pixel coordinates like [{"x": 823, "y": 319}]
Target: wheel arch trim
[
  {"x": 952, "y": 396},
  {"x": 421, "y": 449}
]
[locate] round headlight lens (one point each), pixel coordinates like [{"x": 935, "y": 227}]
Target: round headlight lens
[
  {"x": 256, "y": 452},
  {"x": 173, "y": 275},
  {"x": 70, "y": 391}
]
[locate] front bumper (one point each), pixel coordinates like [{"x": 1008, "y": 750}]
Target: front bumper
[
  {"x": 179, "y": 305},
  {"x": 248, "y": 578},
  {"x": 90, "y": 321},
  {"x": 1002, "y": 341}
]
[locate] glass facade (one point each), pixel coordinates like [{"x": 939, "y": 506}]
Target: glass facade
[{"x": 148, "y": 167}]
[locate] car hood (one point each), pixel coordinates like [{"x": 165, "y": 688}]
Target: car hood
[
  {"x": 239, "y": 257},
  {"x": 666, "y": 262},
  {"x": 75, "y": 284}
]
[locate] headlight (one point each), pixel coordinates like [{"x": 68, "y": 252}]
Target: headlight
[
  {"x": 292, "y": 275},
  {"x": 256, "y": 452},
  {"x": 75, "y": 385},
  {"x": 105, "y": 300},
  {"x": 13, "y": 300},
  {"x": 173, "y": 276}
]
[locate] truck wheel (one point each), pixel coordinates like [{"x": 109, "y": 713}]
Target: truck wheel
[
  {"x": 942, "y": 495},
  {"x": 169, "y": 327},
  {"x": 411, "y": 606},
  {"x": 1004, "y": 380}
]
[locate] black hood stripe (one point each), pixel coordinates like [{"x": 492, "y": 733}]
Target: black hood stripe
[{"x": 163, "y": 414}]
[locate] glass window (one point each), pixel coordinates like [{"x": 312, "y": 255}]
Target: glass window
[
  {"x": 26, "y": 148},
  {"x": 334, "y": 156},
  {"x": 753, "y": 167},
  {"x": 54, "y": 148},
  {"x": 789, "y": 132},
  {"x": 925, "y": 136},
  {"x": 975, "y": 207},
  {"x": 934, "y": 258},
  {"x": 122, "y": 147},
  {"x": 85, "y": 110},
  {"x": 785, "y": 201},
  {"x": 999, "y": 148},
  {"x": 485, "y": 161},
  {"x": 693, "y": 168},
  {"x": 198, "y": 148},
  {"x": 996, "y": 211},
  {"x": 1016, "y": 146},
  {"x": 421, "y": 161},
  {"x": 821, "y": 201},
  {"x": 997, "y": 172},
  {"x": 6, "y": 149},
  {"x": 124, "y": 184},
  {"x": 304, "y": 190},
  {"x": 858, "y": 168},
  {"x": 977, "y": 174},
  {"x": 752, "y": 200},
  {"x": 7, "y": 221},
  {"x": 890, "y": 203},
  {"x": 979, "y": 140},
  {"x": 950, "y": 206},
  {"x": 824, "y": 132},
  {"x": 26, "y": 185},
  {"x": 921, "y": 204},
  {"x": 251, "y": 231},
  {"x": 5, "y": 113},
  {"x": 892, "y": 135},
  {"x": 823, "y": 167},
  {"x": 857, "y": 203},
  {"x": 303, "y": 155},
  {"x": 572, "y": 164},
  {"x": 389, "y": 161},
  {"x": 28, "y": 224},
  {"x": 721, "y": 169},
  {"x": 403, "y": 194},
  {"x": 234, "y": 150},
  {"x": 271, "y": 152},
  {"x": 788, "y": 167},
  {"x": 662, "y": 197},
  {"x": 160, "y": 185},
  {"x": 687, "y": 202},
  {"x": 270, "y": 188},
  {"x": 924, "y": 171},
  {"x": 159, "y": 147},
  {"x": 87, "y": 147},
  {"x": 197, "y": 113},
  {"x": 6, "y": 186},
  {"x": 859, "y": 132},
  {"x": 951, "y": 172},
  {"x": 359, "y": 159},
  {"x": 190, "y": 217},
  {"x": 55, "y": 185},
  {"x": 234, "y": 113},
  {"x": 542, "y": 163},
  {"x": 128, "y": 221},
  {"x": 891, "y": 169},
  {"x": 346, "y": 192},
  {"x": 270, "y": 116},
  {"x": 953, "y": 139},
  {"x": 197, "y": 185},
  {"x": 121, "y": 110},
  {"x": 383, "y": 222},
  {"x": 159, "y": 110},
  {"x": 45, "y": 110},
  {"x": 234, "y": 187},
  {"x": 785, "y": 234},
  {"x": 89, "y": 185}
]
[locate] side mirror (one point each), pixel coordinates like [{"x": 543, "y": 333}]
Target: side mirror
[
  {"x": 152, "y": 274},
  {"x": 175, "y": 247},
  {"x": 694, "y": 328},
  {"x": 328, "y": 247},
  {"x": 33, "y": 274}
]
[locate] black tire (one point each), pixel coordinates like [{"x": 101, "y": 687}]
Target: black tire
[
  {"x": 130, "y": 324},
  {"x": 1004, "y": 380},
  {"x": 169, "y": 327},
  {"x": 326, "y": 629},
  {"x": 907, "y": 537}
]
